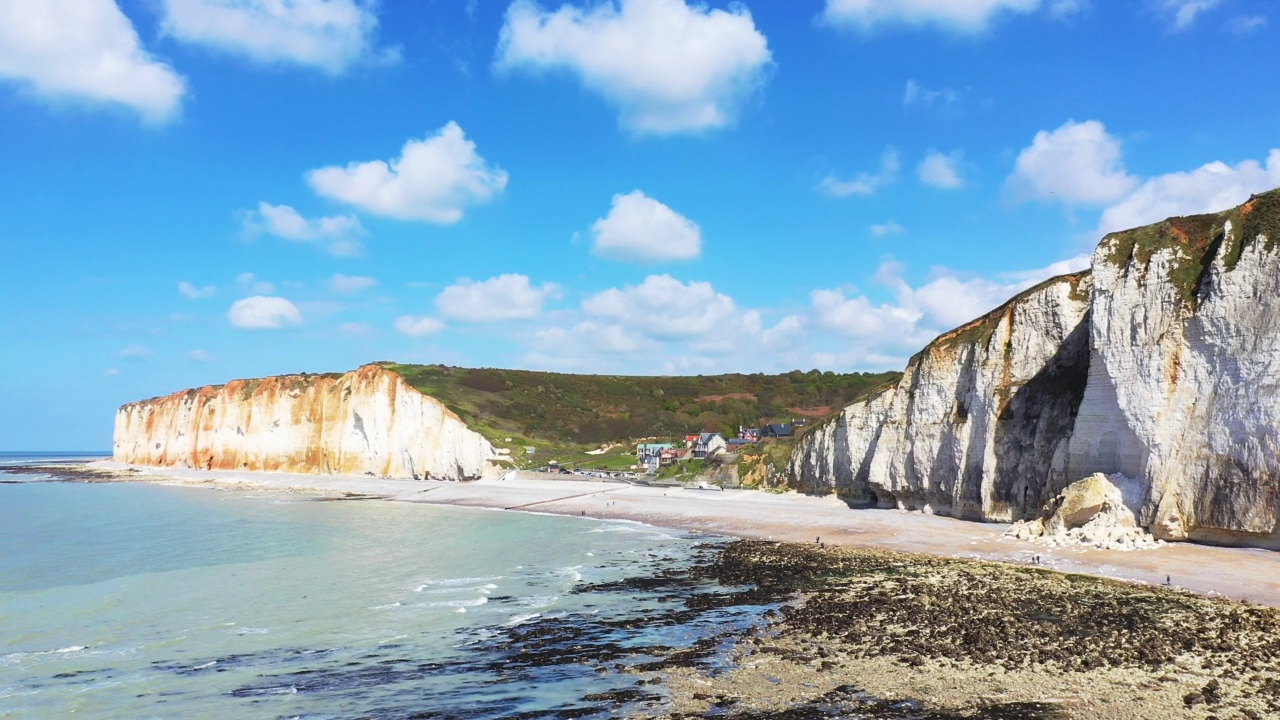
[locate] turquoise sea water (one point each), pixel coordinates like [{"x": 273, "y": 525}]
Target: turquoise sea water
[{"x": 147, "y": 601}]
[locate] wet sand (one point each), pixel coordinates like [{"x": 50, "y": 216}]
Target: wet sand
[{"x": 1237, "y": 573}]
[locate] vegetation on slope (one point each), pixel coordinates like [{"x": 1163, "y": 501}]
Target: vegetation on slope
[
  {"x": 1196, "y": 240},
  {"x": 568, "y": 413}
]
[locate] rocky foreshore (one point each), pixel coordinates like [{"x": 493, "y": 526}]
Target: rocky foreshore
[{"x": 872, "y": 633}]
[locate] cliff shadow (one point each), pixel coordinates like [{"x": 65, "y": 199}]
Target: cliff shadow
[{"x": 1034, "y": 423}]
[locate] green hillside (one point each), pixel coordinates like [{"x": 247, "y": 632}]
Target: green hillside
[{"x": 566, "y": 414}]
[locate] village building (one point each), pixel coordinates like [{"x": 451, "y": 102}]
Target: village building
[
  {"x": 709, "y": 444},
  {"x": 776, "y": 430},
  {"x": 649, "y": 455}
]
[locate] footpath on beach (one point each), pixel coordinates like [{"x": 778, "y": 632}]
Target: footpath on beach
[{"x": 1238, "y": 573}]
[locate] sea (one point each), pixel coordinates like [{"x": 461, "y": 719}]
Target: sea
[{"x": 138, "y": 600}]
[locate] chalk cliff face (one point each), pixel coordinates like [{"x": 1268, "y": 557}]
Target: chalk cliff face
[
  {"x": 977, "y": 416},
  {"x": 365, "y": 422},
  {"x": 1162, "y": 364}
]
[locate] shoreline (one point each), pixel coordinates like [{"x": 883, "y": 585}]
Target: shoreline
[{"x": 1245, "y": 574}]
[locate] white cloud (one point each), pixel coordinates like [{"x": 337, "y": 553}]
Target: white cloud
[
  {"x": 667, "y": 325},
  {"x": 1185, "y": 12},
  {"x": 641, "y": 229},
  {"x": 501, "y": 298},
  {"x": 668, "y": 67},
  {"x": 858, "y": 317},
  {"x": 418, "y": 326},
  {"x": 1081, "y": 163},
  {"x": 943, "y": 99},
  {"x": 249, "y": 284},
  {"x": 1028, "y": 278},
  {"x": 199, "y": 356},
  {"x": 960, "y": 16},
  {"x": 662, "y": 306},
  {"x": 135, "y": 352},
  {"x": 350, "y": 284},
  {"x": 1245, "y": 24},
  {"x": 588, "y": 337},
  {"x": 196, "y": 293},
  {"x": 1076, "y": 163},
  {"x": 1063, "y": 9},
  {"x": 432, "y": 180},
  {"x": 111, "y": 372},
  {"x": 84, "y": 50},
  {"x": 1209, "y": 188},
  {"x": 865, "y": 183},
  {"x": 339, "y": 233},
  {"x": 327, "y": 34},
  {"x": 888, "y": 331},
  {"x": 941, "y": 171},
  {"x": 886, "y": 229},
  {"x": 264, "y": 313}
]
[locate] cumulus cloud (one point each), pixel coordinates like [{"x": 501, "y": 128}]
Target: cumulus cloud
[
  {"x": 1081, "y": 163},
  {"x": 417, "y": 325},
  {"x": 1183, "y": 13},
  {"x": 196, "y": 293},
  {"x": 686, "y": 326},
  {"x": 326, "y": 34},
  {"x": 498, "y": 299},
  {"x": 264, "y": 313},
  {"x": 1076, "y": 163},
  {"x": 959, "y": 16},
  {"x": 85, "y": 50},
  {"x": 941, "y": 171},
  {"x": 339, "y": 233},
  {"x": 135, "y": 352},
  {"x": 641, "y": 229},
  {"x": 198, "y": 355},
  {"x": 350, "y": 284},
  {"x": 887, "y": 331},
  {"x": 668, "y": 67},
  {"x": 433, "y": 180},
  {"x": 865, "y": 183},
  {"x": 111, "y": 372},
  {"x": 662, "y": 306},
  {"x": 1209, "y": 188}
]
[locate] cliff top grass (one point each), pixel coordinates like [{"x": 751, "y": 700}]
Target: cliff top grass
[
  {"x": 1197, "y": 240},
  {"x": 562, "y": 413}
]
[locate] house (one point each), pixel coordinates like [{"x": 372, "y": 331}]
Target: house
[
  {"x": 668, "y": 457},
  {"x": 649, "y": 454},
  {"x": 736, "y": 444},
  {"x": 750, "y": 434},
  {"x": 775, "y": 430},
  {"x": 799, "y": 422},
  {"x": 690, "y": 440},
  {"x": 709, "y": 444}
]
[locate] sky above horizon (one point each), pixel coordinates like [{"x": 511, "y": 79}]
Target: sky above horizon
[{"x": 202, "y": 190}]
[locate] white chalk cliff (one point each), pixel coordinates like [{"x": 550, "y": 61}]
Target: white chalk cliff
[
  {"x": 1162, "y": 364},
  {"x": 365, "y": 422}
]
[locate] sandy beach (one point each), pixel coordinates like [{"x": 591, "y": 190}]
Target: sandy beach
[{"x": 1246, "y": 574}]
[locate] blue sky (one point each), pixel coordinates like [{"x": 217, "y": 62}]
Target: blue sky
[{"x": 200, "y": 190}]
